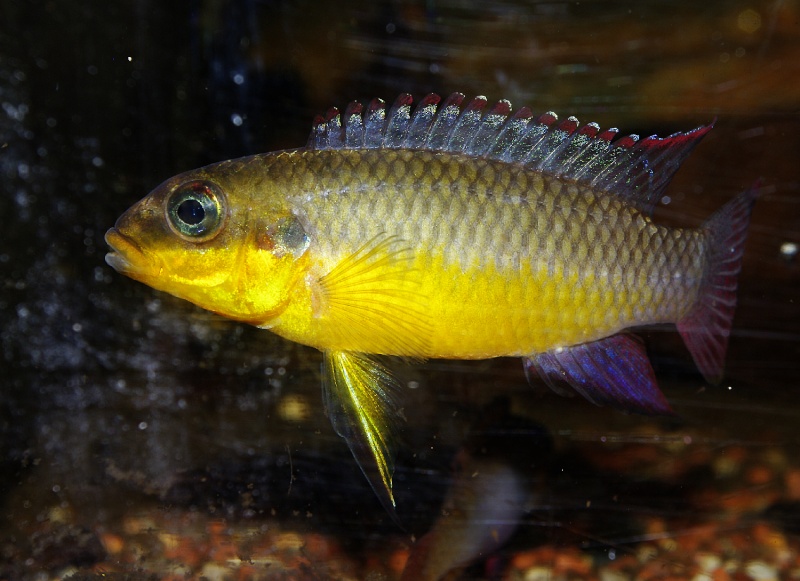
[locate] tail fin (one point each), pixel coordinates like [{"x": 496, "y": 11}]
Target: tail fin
[{"x": 706, "y": 328}]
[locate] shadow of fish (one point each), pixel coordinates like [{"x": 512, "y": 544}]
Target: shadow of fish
[
  {"x": 447, "y": 231},
  {"x": 498, "y": 475}
]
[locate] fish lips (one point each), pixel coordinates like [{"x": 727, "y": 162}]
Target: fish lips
[{"x": 125, "y": 257}]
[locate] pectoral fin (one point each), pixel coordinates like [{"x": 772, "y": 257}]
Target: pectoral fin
[
  {"x": 362, "y": 402},
  {"x": 614, "y": 371},
  {"x": 372, "y": 299}
]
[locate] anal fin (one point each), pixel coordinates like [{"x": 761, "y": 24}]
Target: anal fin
[
  {"x": 613, "y": 371},
  {"x": 362, "y": 402}
]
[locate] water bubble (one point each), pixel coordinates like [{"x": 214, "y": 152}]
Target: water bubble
[
  {"x": 749, "y": 21},
  {"x": 789, "y": 250}
]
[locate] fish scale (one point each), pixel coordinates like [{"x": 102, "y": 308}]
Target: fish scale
[
  {"x": 484, "y": 241},
  {"x": 456, "y": 232}
]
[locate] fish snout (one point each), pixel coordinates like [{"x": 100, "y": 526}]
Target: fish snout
[{"x": 125, "y": 256}]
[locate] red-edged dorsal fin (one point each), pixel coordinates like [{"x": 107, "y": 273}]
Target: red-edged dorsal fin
[
  {"x": 354, "y": 126},
  {"x": 398, "y": 122},
  {"x": 424, "y": 116},
  {"x": 467, "y": 126},
  {"x": 637, "y": 170},
  {"x": 445, "y": 121},
  {"x": 374, "y": 124}
]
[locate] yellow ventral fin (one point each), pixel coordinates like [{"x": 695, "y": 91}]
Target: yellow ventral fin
[
  {"x": 373, "y": 305},
  {"x": 373, "y": 302},
  {"x": 362, "y": 401}
]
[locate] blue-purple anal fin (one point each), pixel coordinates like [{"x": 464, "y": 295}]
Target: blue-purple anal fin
[{"x": 613, "y": 371}]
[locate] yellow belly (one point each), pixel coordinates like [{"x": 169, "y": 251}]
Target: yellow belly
[
  {"x": 487, "y": 260},
  {"x": 438, "y": 310}
]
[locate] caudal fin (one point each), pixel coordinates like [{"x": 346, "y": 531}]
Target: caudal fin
[{"x": 706, "y": 328}]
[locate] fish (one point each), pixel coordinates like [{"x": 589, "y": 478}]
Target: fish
[
  {"x": 452, "y": 229},
  {"x": 500, "y": 473}
]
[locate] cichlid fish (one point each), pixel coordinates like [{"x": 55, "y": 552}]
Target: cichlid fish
[{"x": 447, "y": 231}]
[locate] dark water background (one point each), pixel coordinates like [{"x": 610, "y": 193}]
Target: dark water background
[{"x": 117, "y": 400}]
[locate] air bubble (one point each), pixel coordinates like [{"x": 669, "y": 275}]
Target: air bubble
[{"x": 789, "y": 250}]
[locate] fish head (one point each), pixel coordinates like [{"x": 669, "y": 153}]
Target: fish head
[{"x": 197, "y": 237}]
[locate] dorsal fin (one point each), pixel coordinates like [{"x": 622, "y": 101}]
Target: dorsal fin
[{"x": 636, "y": 170}]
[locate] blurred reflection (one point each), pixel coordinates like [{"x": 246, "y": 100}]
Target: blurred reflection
[{"x": 489, "y": 492}]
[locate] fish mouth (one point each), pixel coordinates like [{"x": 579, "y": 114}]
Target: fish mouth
[{"x": 125, "y": 257}]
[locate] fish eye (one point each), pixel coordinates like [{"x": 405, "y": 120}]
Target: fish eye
[{"x": 194, "y": 210}]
